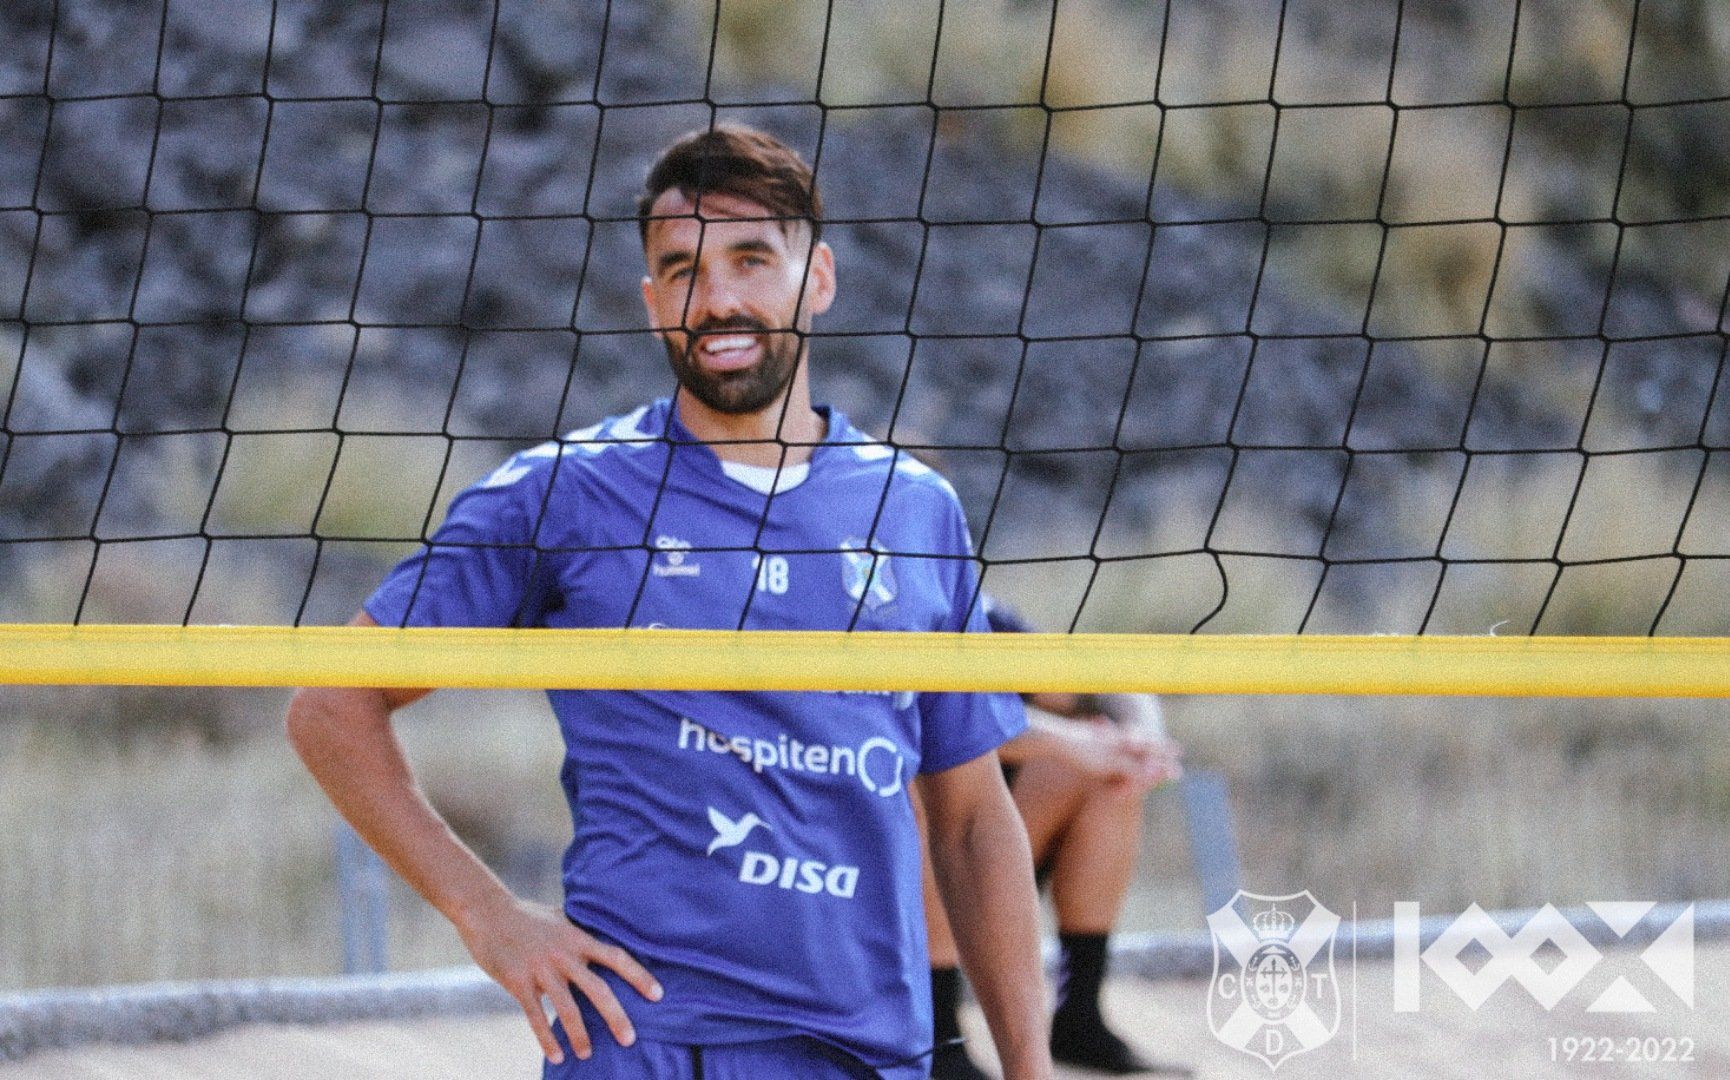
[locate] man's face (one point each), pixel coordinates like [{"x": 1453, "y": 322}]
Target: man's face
[{"x": 731, "y": 298}]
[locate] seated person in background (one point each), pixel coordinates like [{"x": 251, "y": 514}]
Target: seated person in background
[{"x": 1078, "y": 776}]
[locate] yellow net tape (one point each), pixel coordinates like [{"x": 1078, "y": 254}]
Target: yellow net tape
[{"x": 806, "y": 660}]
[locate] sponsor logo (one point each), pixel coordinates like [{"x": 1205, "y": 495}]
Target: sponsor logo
[
  {"x": 730, "y": 833},
  {"x": 1274, "y": 994},
  {"x": 1669, "y": 957},
  {"x": 673, "y": 558},
  {"x": 805, "y": 875},
  {"x": 877, "y": 763},
  {"x": 760, "y": 868},
  {"x": 866, "y": 573}
]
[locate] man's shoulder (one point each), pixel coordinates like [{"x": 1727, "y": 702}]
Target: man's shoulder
[
  {"x": 589, "y": 448},
  {"x": 870, "y": 459}
]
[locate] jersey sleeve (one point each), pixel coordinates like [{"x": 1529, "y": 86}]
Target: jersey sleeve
[
  {"x": 955, "y": 728},
  {"x": 481, "y": 568}
]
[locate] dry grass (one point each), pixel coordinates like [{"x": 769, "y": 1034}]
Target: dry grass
[
  {"x": 1451, "y": 801},
  {"x": 233, "y": 490},
  {"x": 175, "y": 857},
  {"x": 171, "y": 856}
]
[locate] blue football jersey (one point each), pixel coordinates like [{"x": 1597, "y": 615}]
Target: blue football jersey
[{"x": 755, "y": 850}]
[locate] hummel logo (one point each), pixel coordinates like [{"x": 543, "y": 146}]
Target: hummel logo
[
  {"x": 673, "y": 555},
  {"x": 730, "y": 833}
]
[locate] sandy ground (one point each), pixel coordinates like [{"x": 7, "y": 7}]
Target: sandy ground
[{"x": 1510, "y": 1036}]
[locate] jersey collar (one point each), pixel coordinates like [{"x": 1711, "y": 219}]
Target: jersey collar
[{"x": 839, "y": 432}]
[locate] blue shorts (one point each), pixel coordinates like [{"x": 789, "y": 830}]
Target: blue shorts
[{"x": 798, "y": 1056}]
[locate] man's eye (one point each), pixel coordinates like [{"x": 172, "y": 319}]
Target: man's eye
[
  {"x": 755, "y": 260},
  {"x": 680, "y": 274}
]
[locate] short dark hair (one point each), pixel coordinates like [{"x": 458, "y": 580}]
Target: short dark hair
[{"x": 732, "y": 159}]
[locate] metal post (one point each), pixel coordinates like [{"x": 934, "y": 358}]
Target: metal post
[
  {"x": 1212, "y": 840},
  {"x": 362, "y": 899}
]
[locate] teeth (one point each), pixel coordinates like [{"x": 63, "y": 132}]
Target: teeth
[{"x": 726, "y": 344}]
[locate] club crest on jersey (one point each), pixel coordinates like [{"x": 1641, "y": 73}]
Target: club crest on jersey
[{"x": 866, "y": 573}]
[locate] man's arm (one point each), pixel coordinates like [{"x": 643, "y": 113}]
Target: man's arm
[
  {"x": 985, "y": 873},
  {"x": 1122, "y": 756},
  {"x": 346, "y": 739}
]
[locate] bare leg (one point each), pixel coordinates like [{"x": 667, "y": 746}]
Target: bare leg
[
  {"x": 1091, "y": 861},
  {"x": 1049, "y": 794},
  {"x": 1092, "y": 868}
]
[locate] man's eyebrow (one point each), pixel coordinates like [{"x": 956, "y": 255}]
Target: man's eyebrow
[
  {"x": 670, "y": 260},
  {"x": 681, "y": 257}
]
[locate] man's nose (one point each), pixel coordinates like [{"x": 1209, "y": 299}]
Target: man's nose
[{"x": 714, "y": 298}]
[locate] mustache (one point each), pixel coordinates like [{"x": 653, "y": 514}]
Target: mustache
[{"x": 737, "y": 322}]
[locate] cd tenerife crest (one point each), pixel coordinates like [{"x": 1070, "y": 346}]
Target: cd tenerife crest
[{"x": 1274, "y": 994}]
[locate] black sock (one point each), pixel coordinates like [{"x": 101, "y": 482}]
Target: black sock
[
  {"x": 1078, "y": 1032},
  {"x": 949, "y": 1060},
  {"x": 946, "y": 1003},
  {"x": 1084, "y": 958}
]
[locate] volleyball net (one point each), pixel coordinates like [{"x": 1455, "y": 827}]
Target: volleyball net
[
  {"x": 1268, "y": 351},
  {"x": 1271, "y": 347}
]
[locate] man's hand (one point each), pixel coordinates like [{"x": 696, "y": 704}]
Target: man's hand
[
  {"x": 535, "y": 953},
  {"x": 1125, "y": 758}
]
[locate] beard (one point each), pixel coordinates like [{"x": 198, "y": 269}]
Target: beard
[{"x": 747, "y": 390}]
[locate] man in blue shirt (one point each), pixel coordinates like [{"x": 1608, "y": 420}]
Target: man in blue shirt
[{"x": 742, "y": 893}]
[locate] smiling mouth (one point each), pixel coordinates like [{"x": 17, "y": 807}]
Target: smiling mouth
[{"x": 729, "y": 352}]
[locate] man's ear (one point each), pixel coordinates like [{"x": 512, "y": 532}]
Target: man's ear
[
  {"x": 820, "y": 279},
  {"x": 649, "y": 305}
]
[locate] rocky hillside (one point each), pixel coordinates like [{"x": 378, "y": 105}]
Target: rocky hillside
[{"x": 217, "y": 224}]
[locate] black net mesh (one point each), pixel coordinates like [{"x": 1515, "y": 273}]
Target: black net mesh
[{"x": 1251, "y": 316}]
